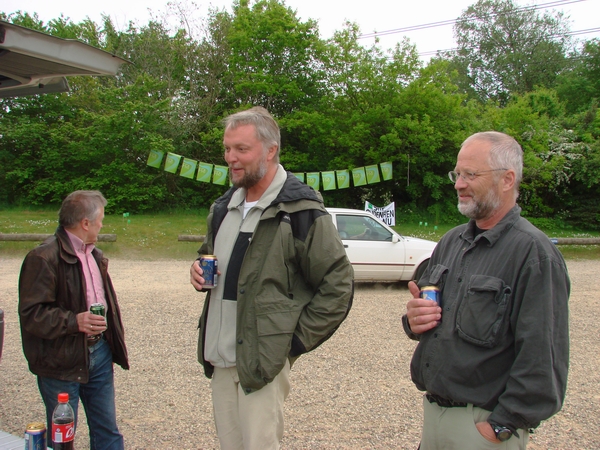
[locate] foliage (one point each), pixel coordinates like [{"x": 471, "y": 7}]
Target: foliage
[
  {"x": 504, "y": 49},
  {"x": 339, "y": 104},
  {"x": 579, "y": 86}
]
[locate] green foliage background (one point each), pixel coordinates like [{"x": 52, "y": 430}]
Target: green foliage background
[{"x": 339, "y": 104}]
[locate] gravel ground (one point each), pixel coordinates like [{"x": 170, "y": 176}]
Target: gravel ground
[{"x": 354, "y": 392}]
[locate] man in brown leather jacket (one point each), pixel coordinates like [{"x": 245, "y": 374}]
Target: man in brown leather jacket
[{"x": 67, "y": 347}]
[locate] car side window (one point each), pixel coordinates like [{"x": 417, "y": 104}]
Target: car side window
[
  {"x": 377, "y": 231},
  {"x": 361, "y": 228}
]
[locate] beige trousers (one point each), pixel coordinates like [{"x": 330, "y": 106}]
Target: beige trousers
[
  {"x": 253, "y": 421},
  {"x": 454, "y": 429}
]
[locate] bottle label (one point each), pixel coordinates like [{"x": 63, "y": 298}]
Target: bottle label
[{"x": 63, "y": 432}]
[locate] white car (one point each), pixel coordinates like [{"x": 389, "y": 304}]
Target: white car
[{"x": 376, "y": 251}]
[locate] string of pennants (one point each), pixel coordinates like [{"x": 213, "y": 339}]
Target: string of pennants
[{"x": 216, "y": 174}]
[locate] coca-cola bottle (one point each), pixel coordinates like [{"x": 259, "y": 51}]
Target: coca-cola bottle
[{"x": 63, "y": 424}]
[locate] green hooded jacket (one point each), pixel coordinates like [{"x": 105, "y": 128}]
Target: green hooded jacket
[{"x": 295, "y": 285}]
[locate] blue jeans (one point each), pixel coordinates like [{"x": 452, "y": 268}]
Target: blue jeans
[{"x": 97, "y": 397}]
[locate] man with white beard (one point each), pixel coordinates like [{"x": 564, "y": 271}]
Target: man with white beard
[{"x": 493, "y": 354}]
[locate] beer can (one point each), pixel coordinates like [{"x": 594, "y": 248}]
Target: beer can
[
  {"x": 431, "y": 293},
  {"x": 98, "y": 308},
  {"x": 209, "y": 266},
  {"x": 35, "y": 436}
]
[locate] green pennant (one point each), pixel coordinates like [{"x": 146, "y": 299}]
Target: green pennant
[
  {"x": 343, "y": 178},
  {"x": 188, "y": 168},
  {"x": 204, "y": 172},
  {"x": 328, "y": 180},
  {"x": 386, "y": 171},
  {"x": 220, "y": 175},
  {"x": 372, "y": 174},
  {"x": 155, "y": 158},
  {"x": 172, "y": 162},
  {"x": 359, "y": 177},
  {"x": 300, "y": 176},
  {"x": 312, "y": 179}
]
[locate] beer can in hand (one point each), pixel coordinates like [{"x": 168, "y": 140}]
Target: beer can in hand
[
  {"x": 98, "y": 309},
  {"x": 209, "y": 266},
  {"x": 431, "y": 293}
]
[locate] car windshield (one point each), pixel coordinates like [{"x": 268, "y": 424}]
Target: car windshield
[{"x": 362, "y": 228}]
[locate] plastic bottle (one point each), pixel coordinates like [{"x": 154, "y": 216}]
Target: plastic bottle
[{"x": 63, "y": 424}]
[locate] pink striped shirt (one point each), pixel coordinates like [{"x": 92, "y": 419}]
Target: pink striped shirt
[{"x": 94, "y": 288}]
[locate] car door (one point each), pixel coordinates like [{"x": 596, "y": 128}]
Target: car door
[{"x": 376, "y": 252}]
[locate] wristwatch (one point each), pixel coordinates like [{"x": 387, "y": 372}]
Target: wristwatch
[{"x": 502, "y": 433}]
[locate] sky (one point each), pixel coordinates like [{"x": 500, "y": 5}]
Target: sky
[{"x": 370, "y": 15}]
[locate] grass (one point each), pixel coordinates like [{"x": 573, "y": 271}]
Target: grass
[
  {"x": 569, "y": 251},
  {"x": 146, "y": 237},
  {"x": 154, "y": 236}
]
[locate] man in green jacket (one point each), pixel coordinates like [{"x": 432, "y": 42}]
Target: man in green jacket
[{"x": 285, "y": 284}]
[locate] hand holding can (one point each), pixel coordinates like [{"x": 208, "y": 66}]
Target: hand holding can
[
  {"x": 100, "y": 310},
  {"x": 422, "y": 316}
]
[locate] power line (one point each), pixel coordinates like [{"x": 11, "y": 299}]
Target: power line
[
  {"x": 589, "y": 30},
  {"x": 453, "y": 21},
  {"x": 570, "y": 33}
]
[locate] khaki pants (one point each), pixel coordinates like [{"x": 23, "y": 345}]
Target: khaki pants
[
  {"x": 454, "y": 429},
  {"x": 253, "y": 421}
]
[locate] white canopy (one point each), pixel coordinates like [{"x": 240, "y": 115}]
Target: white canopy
[{"x": 32, "y": 62}]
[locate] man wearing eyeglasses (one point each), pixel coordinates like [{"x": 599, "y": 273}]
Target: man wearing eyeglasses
[{"x": 493, "y": 355}]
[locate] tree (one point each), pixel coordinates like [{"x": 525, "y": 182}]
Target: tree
[
  {"x": 505, "y": 49},
  {"x": 274, "y": 57},
  {"x": 579, "y": 87}
]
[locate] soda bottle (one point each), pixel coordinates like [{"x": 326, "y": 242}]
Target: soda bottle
[{"x": 63, "y": 424}]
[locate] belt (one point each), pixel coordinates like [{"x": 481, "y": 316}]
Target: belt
[
  {"x": 444, "y": 402},
  {"x": 93, "y": 340}
]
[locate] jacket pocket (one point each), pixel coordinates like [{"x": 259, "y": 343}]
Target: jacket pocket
[
  {"x": 481, "y": 316},
  {"x": 275, "y": 331},
  {"x": 61, "y": 355}
]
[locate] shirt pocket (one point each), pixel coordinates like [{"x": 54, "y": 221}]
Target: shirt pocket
[
  {"x": 481, "y": 316},
  {"x": 436, "y": 277}
]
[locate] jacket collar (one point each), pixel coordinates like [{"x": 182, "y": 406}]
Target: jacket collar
[
  {"x": 65, "y": 248},
  {"x": 494, "y": 234},
  {"x": 293, "y": 190},
  {"x": 268, "y": 196}
]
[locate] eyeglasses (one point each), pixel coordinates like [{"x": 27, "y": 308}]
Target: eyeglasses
[{"x": 468, "y": 176}]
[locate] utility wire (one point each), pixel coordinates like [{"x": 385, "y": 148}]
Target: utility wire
[
  {"x": 453, "y": 21},
  {"x": 570, "y": 33}
]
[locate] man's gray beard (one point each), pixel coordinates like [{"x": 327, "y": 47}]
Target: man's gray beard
[
  {"x": 251, "y": 179},
  {"x": 480, "y": 209}
]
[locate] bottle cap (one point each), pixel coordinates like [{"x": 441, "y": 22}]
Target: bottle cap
[{"x": 63, "y": 397}]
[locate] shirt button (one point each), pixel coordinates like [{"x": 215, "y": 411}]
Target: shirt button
[
  {"x": 240, "y": 341},
  {"x": 242, "y": 291},
  {"x": 459, "y": 279}
]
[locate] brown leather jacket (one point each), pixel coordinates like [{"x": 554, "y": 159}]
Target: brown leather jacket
[{"x": 51, "y": 294}]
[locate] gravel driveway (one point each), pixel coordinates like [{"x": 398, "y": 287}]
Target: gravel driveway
[{"x": 354, "y": 392}]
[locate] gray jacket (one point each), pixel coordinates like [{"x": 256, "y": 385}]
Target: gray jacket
[{"x": 503, "y": 342}]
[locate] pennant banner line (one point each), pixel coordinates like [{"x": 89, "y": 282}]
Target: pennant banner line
[{"x": 327, "y": 179}]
